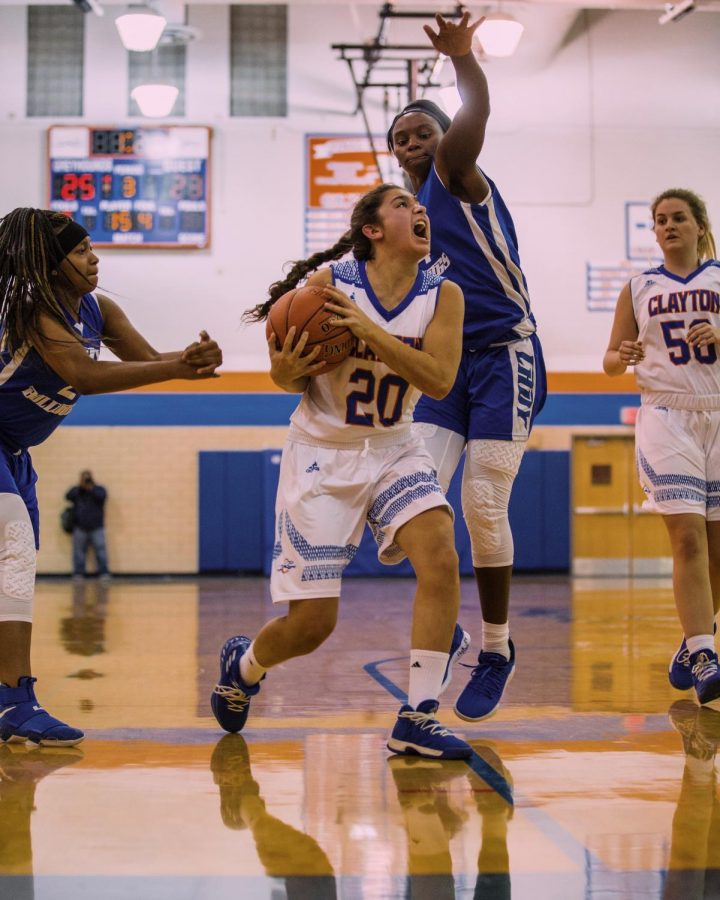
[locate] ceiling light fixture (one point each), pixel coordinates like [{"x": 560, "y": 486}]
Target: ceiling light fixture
[
  {"x": 155, "y": 100},
  {"x": 140, "y": 28},
  {"x": 676, "y": 11},
  {"x": 500, "y": 34}
]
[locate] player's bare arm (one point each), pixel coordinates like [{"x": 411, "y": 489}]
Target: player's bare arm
[
  {"x": 458, "y": 150},
  {"x": 624, "y": 349},
  {"x": 126, "y": 342},
  {"x": 69, "y": 358},
  {"x": 432, "y": 369}
]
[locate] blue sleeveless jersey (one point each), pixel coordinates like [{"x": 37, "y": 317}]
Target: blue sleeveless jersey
[
  {"x": 34, "y": 399},
  {"x": 475, "y": 245}
]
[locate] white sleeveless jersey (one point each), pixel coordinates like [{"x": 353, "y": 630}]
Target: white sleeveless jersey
[
  {"x": 673, "y": 373},
  {"x": 363, "y": 399}
]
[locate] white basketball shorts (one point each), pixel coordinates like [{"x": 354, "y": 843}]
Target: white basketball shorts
[
  {"x": 678, "y": 460},
  {"x": 326, "y": 495}
]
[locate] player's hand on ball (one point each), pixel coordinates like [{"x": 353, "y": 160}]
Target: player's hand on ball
[
  {"x": 346, "y": 312},
  {"x": 288, "y": 364}
]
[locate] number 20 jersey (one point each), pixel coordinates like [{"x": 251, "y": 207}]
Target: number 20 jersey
[
  {"x": 673, "y": 373},
  {"x": 363, "y": 399}
]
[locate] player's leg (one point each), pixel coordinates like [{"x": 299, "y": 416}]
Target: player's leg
[
  {"x": 672, "y": 467},
  {"x": 319, "y": 519},
  {"x": 506, "y": 390},
  {"x": 411, "y": 518},
  {"x": 21, "y": 716}
]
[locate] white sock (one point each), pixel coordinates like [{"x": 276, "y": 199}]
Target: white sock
[
  {"x": 427, "y": 668},
  {"x": 495, "y": 638},
  {"x": 250, "y": 669},
  {"x": 700, "y": 642}
]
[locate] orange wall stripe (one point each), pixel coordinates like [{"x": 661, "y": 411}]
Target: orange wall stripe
[{"x": 260, "y": 382}]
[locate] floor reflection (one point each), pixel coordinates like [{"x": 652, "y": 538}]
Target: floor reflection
[{"x": 594, "y": 780}]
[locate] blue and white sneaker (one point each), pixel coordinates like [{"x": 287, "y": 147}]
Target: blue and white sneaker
[
  {"x": 230, "y": 700},
  {"x": 418, "y": 733},
  {"x": 481, "y": 696},
  {"x": 706, "y": 676},
  {"x": 458, "y": 648},
  {"x": 679, "y": 674},
  {"x": 23, "y": 719}
]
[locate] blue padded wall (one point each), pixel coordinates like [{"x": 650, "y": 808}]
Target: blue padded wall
[{"x": 237, "y": 515}]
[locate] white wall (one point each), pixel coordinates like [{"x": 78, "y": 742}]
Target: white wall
[{"x": 623, "y": 110}]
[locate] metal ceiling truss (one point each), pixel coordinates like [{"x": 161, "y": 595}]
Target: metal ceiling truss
[{"x": 377, "y": 64}]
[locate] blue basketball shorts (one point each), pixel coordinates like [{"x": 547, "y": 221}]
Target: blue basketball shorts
[
  {"x": 17, "y": 476},
  {"x": 497, "y": 394}
]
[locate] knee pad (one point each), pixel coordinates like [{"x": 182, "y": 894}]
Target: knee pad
[
  {"x": 17, "y": 560},
  {"x": 490, "y": 470}
]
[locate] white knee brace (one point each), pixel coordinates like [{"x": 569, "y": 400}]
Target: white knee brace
[
  {"x": 17, "y": 560},
  {"x": 490, "y": 470}
]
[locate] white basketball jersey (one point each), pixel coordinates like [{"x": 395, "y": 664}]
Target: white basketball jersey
[
  {"x": 362, "y": 399},
  {"x": 673, "y": 373}
]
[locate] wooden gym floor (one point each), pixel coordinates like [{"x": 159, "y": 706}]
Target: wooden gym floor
[{"x": 595, "y": 780}]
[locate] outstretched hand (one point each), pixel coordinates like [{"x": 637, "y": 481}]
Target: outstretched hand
[
  {"x": 453, "y": 38},
  {"x": 204, "y": 355}
]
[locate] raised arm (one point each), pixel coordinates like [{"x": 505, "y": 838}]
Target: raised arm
[
  {"x": 459, "y": 148},
  {"x": 624, "y": 349},
  {"x": 434, "y": 368}
]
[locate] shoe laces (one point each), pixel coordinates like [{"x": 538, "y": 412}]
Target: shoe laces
[
  {"x": 705, "y": 667},
  {"x": 488, "y": 677},
  {"x": 426, "y": 722},
  {"x": 236, "y": 699}
]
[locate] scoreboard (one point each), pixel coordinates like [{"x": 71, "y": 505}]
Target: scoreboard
[{"x": 141, "y": 187}]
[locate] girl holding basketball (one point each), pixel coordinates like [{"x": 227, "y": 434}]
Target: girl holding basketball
[
  {"x": 51, "y": 327},
  {"x": 351, "y": 458}
]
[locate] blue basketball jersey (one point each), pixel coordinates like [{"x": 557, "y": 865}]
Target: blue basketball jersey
[
  {"x": 475, "y": 245},
  {"x": 34, "y": 399}
]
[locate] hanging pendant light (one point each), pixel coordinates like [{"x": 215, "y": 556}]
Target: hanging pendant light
[
  {"x": 140, "y": 28},
  {"x": 155, "y": 100},
  {"x": 500, "y": 34}
]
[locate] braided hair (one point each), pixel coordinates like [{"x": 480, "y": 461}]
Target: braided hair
[
  {"x": 31, "y": 283},
  {"x": 365, "y": 212}
]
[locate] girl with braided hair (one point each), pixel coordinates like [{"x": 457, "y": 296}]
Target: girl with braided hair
[
  {"x": 351, "y": 458},
  {"x": 51, "y": 327}
]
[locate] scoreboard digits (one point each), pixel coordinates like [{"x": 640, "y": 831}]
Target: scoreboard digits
[{"x": 146, "y": 187}]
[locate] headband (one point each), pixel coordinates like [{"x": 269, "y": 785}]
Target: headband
[
  {"x": 422, "y": 106},
  {"x": 71, "y": 235}
]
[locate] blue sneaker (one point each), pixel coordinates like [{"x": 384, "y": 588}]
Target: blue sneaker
[
  {"x": 458, "y": 648},
  {"x": 231, "y": 697},
  {"x": 418, "y": 733},
  {"x": 481, "y": 696},
  {"x": 23, "y": 719},
  {"x": 679, "y": 674},
  {"x": 706, "y": 675}
]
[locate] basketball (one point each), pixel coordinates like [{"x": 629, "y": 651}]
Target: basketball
[{"x": 304, "y": 308}]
